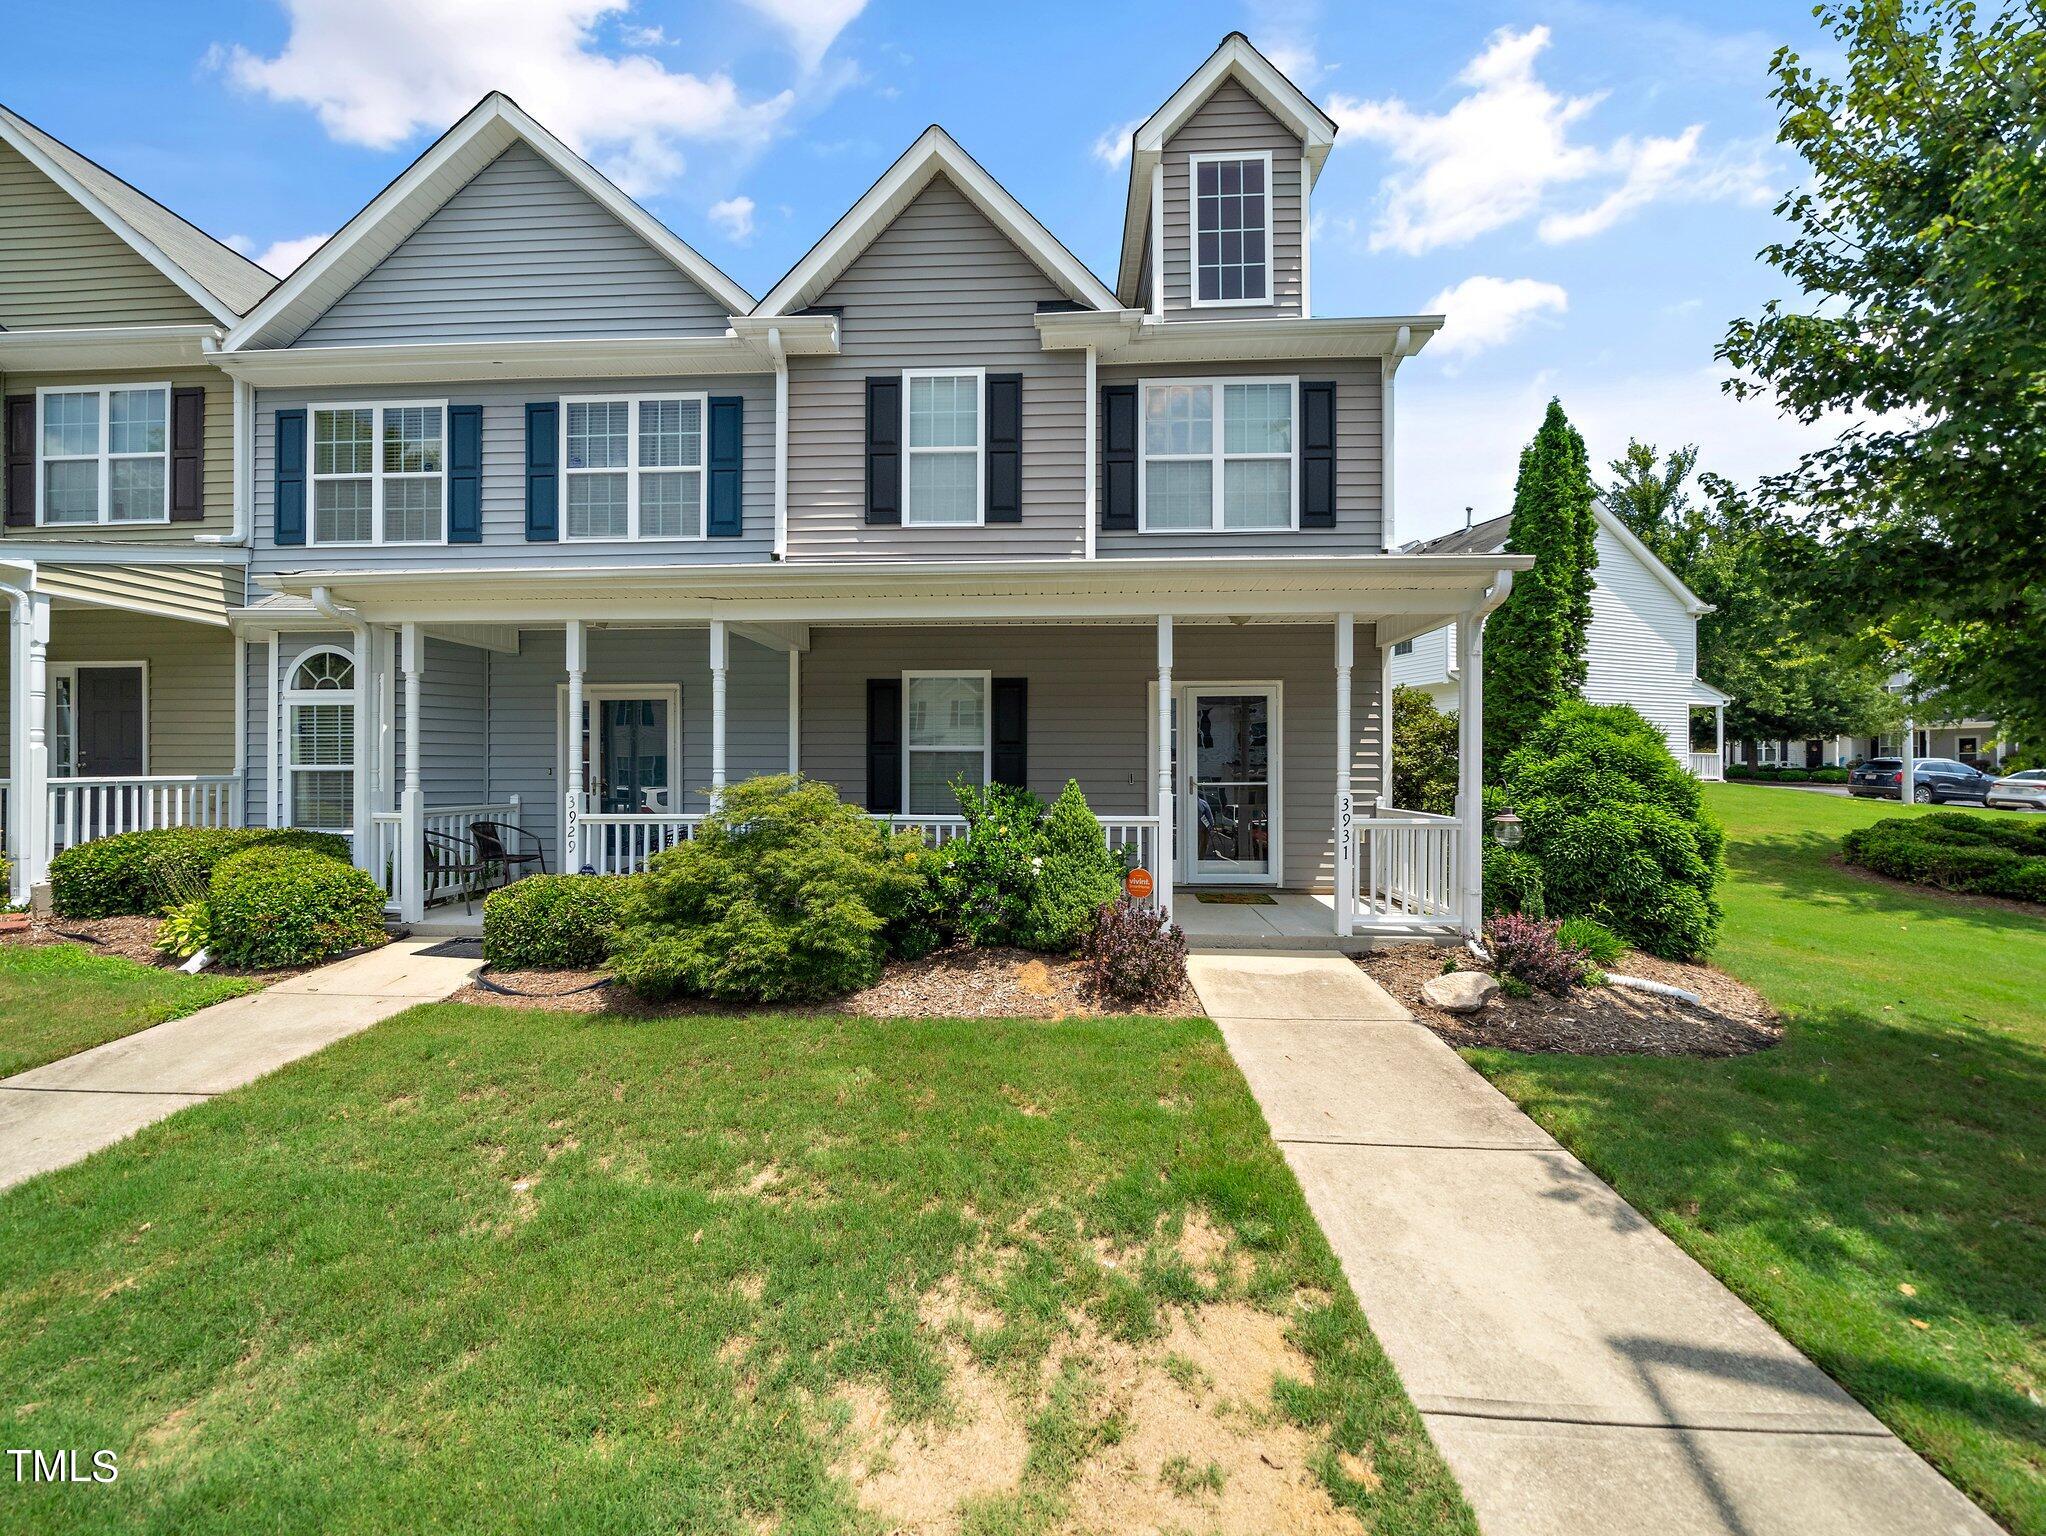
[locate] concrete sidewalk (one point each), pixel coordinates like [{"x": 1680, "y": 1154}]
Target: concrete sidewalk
[
  {"x": 54, "y": 1115},
  {"x": 1580, "y": 1373}
]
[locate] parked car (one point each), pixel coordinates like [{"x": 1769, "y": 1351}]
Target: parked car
[
  {"x": 1934, "y": 780},
  {"x": 2019, "y": 791}
]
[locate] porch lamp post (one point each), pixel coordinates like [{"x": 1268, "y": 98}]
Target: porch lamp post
[{"x": 1507, "y": 829}]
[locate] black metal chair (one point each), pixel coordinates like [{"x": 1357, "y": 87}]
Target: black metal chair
[
  {"x": 499, "y": 842},
  {"x": 454, "y": 859}
]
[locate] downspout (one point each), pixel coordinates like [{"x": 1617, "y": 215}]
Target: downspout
[
  {"x": 781, "y": 441},
  {"x": 244, "y": 461}
]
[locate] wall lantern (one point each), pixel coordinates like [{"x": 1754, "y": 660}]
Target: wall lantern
[{"x": 1506, "y": 829}]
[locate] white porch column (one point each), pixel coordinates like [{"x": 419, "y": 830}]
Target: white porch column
[
  {"x": 1385, "y": 725},
  {"x": 1719, "y": 734},
  {"x": 572, "y": 790},
  {"x": 1470, "y": 770},
  {"x": 273, "y": 797},
  {"x": 1166, "y": 848},
  {"x": 1907, "y": 785},
  {"x": 35, "y": 765},
  {"x": 1345, "y": 817},
  {"x": 719, "y": 656},
  {"x": 412, "y": 806},
  {"x": 364, "y": 839},
  {"x": 21, "y": 825},
  {"x": 795, "y": 711}
]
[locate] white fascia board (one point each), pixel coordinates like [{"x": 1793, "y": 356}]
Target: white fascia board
[
  {"x": 934, "y": 152},
  {"x": 57, "y": 349},
  {"x": 1129, "y": 336},
  {"x": 1704, "y": 693},
  {"x": 144, "y": 247},
  {"x": 478, "y": 361},
  {"x": 20, "y": 549},
  {"x": 801, "y": 335},
  {"x": 1625, "y": 536}
]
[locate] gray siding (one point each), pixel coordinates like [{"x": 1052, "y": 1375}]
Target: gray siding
[
  {"x": 454, "y": 720},
  {"x": 1233, "y": 119},
  {"x": 504, "y": 479},
  {"x": 940, "y": 287},
  {"x": 520, "y": 252},
  {"x": 1360, "y": 465}
]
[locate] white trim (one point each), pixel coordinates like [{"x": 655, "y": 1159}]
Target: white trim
[
  {"x": 69, "y": 670},
  {"x": 1218, "y": 455},
  {"x": 935, "y": 151},
  {"x": 594, "y": 694},
  {"x": 377, "y": 473},
  {"x": 105, "y": 455},
  {"x": 1090, "y": 469},
  {"x": 30, "y": 553},
  {"x": 979, "y": 449},
  {"x": 795, "y": 709},
  {"x": 1130, "y": 336},
  {"x": 1306, "y": 250},
  {"x": 1194, "y": 162},
  {"x": 1184, "y": 863},
  {"x": 987, "y": 727},
  {"x": 633, "y": 469},
  {"x": 563, "y": 357},
  {"x": 273, "y": 804},
  {"x": 59, "y": 349},
  {"x": 1157, "y": 241},
  {"x": 297, "y": 698}
]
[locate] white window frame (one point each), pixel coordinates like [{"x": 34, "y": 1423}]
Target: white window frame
[
  {"x": 632, "y": 468},
  {"x": 979, "y": 449},
  {"x": 377, "y": 473},
  {"x": 987, "y": 727},
  {"x": 292, "y": 699},
  {"x": 1216, "y": 454},
  {"x": 1193, "y": 227},
  {"x": 105, "y": 456}
]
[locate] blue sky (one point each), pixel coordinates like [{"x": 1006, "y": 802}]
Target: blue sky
[{"x": 1582, "y": 184}]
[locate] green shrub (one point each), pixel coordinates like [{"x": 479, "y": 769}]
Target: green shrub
[
  {"x": 1513, "y": 882},
  {"x": 1423, "y": 754},
  {"x": 1980, "y": 855},
  {"x": 554, "y": 922},
  {"x": 1078, "y": 876},
  {"x": 275, "y": 906},
  {"x": 1592, "y": 939},
  {"x": 185, "y": 929},
  {"x": 149, "y": 872},
  {"x": 990, "y": 878},
  {"x": 1736, "y": 771},
  {"x": 784, "y": 895},
  {"x": 1617, "y": 827}
]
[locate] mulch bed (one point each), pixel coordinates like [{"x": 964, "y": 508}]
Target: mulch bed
[
  {"x": 1732, "y": 1020},
  {"x": 132, "y": 938},
  {"x": 957, "y": 983}
]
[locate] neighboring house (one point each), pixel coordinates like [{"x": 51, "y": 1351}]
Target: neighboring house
[
  {"x": 122, "y": 545},
  {"x": 555, "y": 524},
  {"x": 1974, "y": 742},
  {"x": 1642, "y": 648}
]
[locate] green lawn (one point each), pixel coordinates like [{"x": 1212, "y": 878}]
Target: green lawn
[
  {"x": 1876, "y": 1187},
  {"x": 478, "y": 1269},
  {"x": 58, "y": 999}
]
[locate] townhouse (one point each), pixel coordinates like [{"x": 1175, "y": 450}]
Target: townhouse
[{"x": 553, "y": 525}]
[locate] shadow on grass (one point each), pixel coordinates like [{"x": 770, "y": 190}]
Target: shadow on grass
[{"x": 1800, "y": 866}]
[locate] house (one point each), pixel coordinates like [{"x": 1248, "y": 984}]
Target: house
[
  {"x": 1975, "y": 742},
  {"x": 1642, "y": 647},
  {"x": 555, "y": 525},
  {"x": 123, "y": 529}
]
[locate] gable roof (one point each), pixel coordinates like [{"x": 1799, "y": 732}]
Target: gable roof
[
  {"x": 1236, "y": 59},
  {"x": 1490, "y": 536},
  {"x": 222, "y": 282},
  {"x": 447, "y": 165},
  {"x": 934, "y": 153}
]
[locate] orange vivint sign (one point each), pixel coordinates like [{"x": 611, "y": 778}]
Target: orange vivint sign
[{"x": 1138, "y": 883}]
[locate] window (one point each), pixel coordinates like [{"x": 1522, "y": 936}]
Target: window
[
  {"x": 942, "y": 433},
  {"x": 1218, "y": 454},
  {"x": 320, "y": 730},
  {"x": 634, "y": 467},
  {"x": 105, "y": 455},
  {"x": 1231, "y": 207},
  {"x": 945, "y": 737},
  {"x": 1403, "y": 648},
  {"x": 379, "y": 474}
]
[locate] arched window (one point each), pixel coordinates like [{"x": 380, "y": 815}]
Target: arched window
[{"x": 320, "y": 723}]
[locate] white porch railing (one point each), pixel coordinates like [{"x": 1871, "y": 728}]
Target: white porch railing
[
  {"x": 1406, "y": 870},
  {"x": 81, "y": 810},
  {"x": 1707, "y": 766},
  {"x": 387, "y": 846}
]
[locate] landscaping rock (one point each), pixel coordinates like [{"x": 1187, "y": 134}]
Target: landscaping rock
[{"x": 1459, "y": 991}]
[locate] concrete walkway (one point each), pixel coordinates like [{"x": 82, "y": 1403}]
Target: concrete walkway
[
  {"x": 54, "y": 1115},
  {"x": 1581, "y": 1373}
]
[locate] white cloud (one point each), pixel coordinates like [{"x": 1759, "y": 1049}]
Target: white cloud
[
  {"x": 1112, "y": 147},
  {"x": 283, "y": 257},
  {"x": 376, "y": 72},
  {"x": 734, "y": 216},
  {"x": 1284, "y": 32},
  {"x": 1504, "y": 151},
  {"x": 1487, "y": 312},
  {"x": 644, "y": 37},
  {"x": 812, "y": 26}
]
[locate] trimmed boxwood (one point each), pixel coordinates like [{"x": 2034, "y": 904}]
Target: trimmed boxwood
[
  {"x": 1979, "y": 855},
  {"x": 281, "y": 905},
  {"x": 1741, "y": 772},
  {"x": 150, "y": 872},
  {"x": 554, "y": 922}
]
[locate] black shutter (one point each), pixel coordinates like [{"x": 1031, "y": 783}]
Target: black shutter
[
  {"x": 187, "y": 455},
  {"x": 884, "y": 449},
  {"x": 884, "y": 745},
  {"x": 21, "y": 461},
  {"x": 1009, "y": 759},
  {"x": 1005, "y": 447},
  {"x": 1119, "y": 458},
  {"x": 1317, "y": 455},
  {"x": 465, "y": 474},
  {"x": 543, "y": 471},
  {"x": 287, "y": 512},
  {"x": 727, "y": 459}
]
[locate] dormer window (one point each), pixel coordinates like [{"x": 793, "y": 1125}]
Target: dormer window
[{"x": 1232, "y": 224}]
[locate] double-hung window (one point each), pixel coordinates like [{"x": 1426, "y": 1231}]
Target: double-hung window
[
  {"x": 320, "y": 762},
  {"x": 943, "y": 435},
  {"x": 946, "y": 737},
  {"x": 1232, "y": 228},
  {"x": 634, "y": 467},
  {"x": 1219, "y": 454},
  {"x": 379, "y": 474},
  {"x": 105, "y": 455}
]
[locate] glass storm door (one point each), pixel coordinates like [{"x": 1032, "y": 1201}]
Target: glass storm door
[
  {"x": 1226, "y": 824},
  {"x": 628, "y": 773}
]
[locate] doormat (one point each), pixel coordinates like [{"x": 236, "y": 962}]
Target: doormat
[{"x": 1235, "y": 898}]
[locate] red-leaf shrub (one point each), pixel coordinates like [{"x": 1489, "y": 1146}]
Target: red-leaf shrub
[
  {"x": 1527, "y": 950},
  {"x": 1134, "y": 955}
]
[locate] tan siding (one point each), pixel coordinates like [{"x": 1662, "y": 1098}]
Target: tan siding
[
  {"x": 196, "y": 594},
  {"x": 60, "y": 266},
  {"x": 1090, "y": 708},
  {"x": 219, "y": 468},
  {"x": 940, "y": 287},
  {"x": 1233, "y": 119}
]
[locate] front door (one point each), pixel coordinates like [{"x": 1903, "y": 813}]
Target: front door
[
  {"x": 1228, "y": 774},
  {"x": 628, "y": 770},
  {"x": 107, "y": 722}
]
